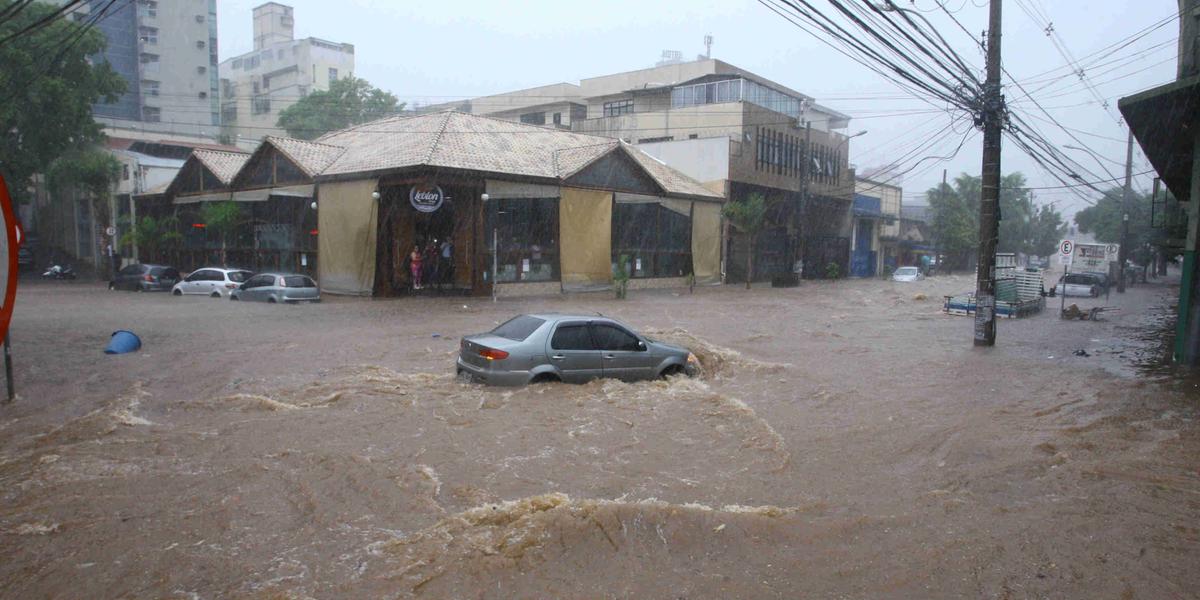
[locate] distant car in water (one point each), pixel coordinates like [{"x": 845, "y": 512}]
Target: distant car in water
[
  {"x": 217, "y": 282},
  {"x": 145, "y": 278},
  {"x": 1103, "y": 281},
  {"x": 908, "y": 274},
  {"x": 277, "y": 288},
  {"x": 1077, "y": 284},
  {"x": 568, "y": 348}
]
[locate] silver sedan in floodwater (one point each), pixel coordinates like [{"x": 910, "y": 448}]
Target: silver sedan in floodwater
[
  {"x": 568, "y": 348},
  {"x": 277, "y": 288}
]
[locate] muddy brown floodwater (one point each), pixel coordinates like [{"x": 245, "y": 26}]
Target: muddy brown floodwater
[{"x": 845, "y": 441}]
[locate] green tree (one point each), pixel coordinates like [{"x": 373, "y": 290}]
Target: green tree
[
  {"x": 223, "y": 218},
  {"x": 89, "y": 169},
  {"x": 748, "y": 217},
  {"x": 954, "y": 218},
  {"x": 47, "y": 87},
  {"x": 349, "y": 101},
  {"x": 1024, "y": 226},
  {"x": 1103, "y": 219},
  {"x": 152, "y": 236}
]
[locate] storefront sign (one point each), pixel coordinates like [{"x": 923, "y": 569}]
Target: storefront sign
[{"x": 427, "y": 199}]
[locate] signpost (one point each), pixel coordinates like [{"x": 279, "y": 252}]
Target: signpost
[
  {"x": 1066, "y": 256},
  {"x": 10, "y": 242}
]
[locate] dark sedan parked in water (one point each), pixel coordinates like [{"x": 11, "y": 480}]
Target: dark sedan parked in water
[
  {"x": 145, "y": 278},
  {"x": 568, "y": 348}
]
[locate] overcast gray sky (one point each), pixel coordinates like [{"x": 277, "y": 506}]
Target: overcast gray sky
[{"x": 433, "y": 51}]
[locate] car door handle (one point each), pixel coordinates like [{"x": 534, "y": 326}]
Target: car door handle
[
  {"x": 609, "y": 357},
  {"x": 558, "y": 357}
]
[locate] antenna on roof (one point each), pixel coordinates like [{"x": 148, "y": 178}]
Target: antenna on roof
[{"x": 708, "y": 40}]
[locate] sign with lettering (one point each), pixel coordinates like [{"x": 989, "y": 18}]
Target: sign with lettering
[{"x": 426, "y": 199}]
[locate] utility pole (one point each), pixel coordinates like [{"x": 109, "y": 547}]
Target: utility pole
[
  {"x": 805, "y": 164},
  {"x": 992, "y": 118},
  {"x": 1122, "y": 251}
]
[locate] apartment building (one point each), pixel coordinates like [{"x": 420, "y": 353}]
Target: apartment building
[
  {"x": 735, "y": 131},
  {"x": 167, "y": 53},
  {"x": 258, "y": 85}
]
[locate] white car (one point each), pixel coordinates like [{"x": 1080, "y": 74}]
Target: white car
[
  {"x": 908, "y": 274},
  {"x": 211, "y": 281},
  {"x": 1077, "y": 284}
]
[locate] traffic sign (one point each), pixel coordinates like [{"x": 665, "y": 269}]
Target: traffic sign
[
  {"x": 111, "y": 231},
  {"x": 1112, "y": 252},
  {"x": 1066, "y": 247}
]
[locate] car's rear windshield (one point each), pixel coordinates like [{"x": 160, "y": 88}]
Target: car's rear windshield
[
  {"x": 518, "y": 328},
  {"x": 906, "y": 270},
  {"x": 239, "y": 276},
  {"x": 298, "y": 281}
]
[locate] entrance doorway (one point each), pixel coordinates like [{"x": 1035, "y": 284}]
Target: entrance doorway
[{"x": 437, "y": 222}]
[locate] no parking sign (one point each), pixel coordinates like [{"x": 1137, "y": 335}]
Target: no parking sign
[{"x": 1066, "y": 252}]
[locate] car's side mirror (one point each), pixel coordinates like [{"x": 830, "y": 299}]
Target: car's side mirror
[{"x": 641, "y": 345}]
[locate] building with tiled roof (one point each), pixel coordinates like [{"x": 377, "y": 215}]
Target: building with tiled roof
[{"x": 560, "y": 209}]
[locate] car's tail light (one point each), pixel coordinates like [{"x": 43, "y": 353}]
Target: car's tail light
[
  {"x": 232, "y": 286},
  {"x": 149, "y": 278},
  {"x": 493, "y": 354}
]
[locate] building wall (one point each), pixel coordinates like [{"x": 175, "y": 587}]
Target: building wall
[
  {"x": 890, "y": 197},
  {"x": 120, "y": 29},
  {"x": 166, "y": 51},
  {"x": 1189, "y": 38},
  {"x": 258, "y": 85},
  {"x": 704, "y": 159},
  {"x": 186, "y": 68}
]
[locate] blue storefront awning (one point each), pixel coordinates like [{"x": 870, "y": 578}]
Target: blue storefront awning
[{"x": 868, "y": 206}]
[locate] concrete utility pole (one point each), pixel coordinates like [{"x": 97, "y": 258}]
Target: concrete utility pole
[
  {"x": 989, "y": 205},
  {"x": 1122, "y": 251}
]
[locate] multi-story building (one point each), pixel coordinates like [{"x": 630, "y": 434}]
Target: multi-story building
[
  {"x": 737, "y": 132},
  {"x": 167, "y": 53},
  {"x": 883, "y": 251},
  {"x": 258, "y": 85}
]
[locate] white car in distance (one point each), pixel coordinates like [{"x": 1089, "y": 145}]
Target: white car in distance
[
  {"x": 211, "y": 281},
  {"x": 908, "y": 274}
]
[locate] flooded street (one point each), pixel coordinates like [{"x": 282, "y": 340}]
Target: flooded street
[{"x": 844, "y": 441}]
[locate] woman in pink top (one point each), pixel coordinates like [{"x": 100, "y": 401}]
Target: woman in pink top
[{"x": 414, "y": 266}]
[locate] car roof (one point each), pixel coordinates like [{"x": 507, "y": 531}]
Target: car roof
[
  {"x": 223, "y": 269},
  {"x": 555, "y": 317}
]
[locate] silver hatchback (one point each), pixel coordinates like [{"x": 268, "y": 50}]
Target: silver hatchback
[
  {"x": 277, "y": 288},
  {"x": 568, "y": 348}
]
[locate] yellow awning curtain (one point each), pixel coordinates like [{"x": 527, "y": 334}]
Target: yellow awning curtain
[
  {"x": 585, "y": 238},
  {"x": 706, "y": 241},
  {"x": 347, "y": 218}
]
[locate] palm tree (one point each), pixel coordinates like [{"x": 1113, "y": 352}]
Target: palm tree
[
  {"x": 748, "y": 217},
  {"x": 151, "y": 235},
  {"x": 223, "y": 218}
]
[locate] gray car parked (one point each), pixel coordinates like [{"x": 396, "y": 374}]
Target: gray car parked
[
  {"x": 568, "y": 348},
  {"x": 277, "y": 288}
]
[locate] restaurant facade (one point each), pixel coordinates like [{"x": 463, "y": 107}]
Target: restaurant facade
[{"x": 473, "y": 201}]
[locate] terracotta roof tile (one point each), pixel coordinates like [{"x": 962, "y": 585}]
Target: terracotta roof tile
[
  {"x": 222, "y": 164},
  {"x": 312, "y": 157},
  {"x": 458, "y": 140}
]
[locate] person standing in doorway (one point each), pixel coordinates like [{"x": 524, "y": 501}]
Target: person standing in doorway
[
  {"x": 431, "y": 262},
  {"x": 414, "y": 267},
  {"x": 447, "y": 261}
]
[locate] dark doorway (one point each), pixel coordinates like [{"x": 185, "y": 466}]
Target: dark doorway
[{"x": 437, "y": 222}]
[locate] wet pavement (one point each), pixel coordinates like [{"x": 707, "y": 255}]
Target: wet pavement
[{"x": 845, "y": 441}]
